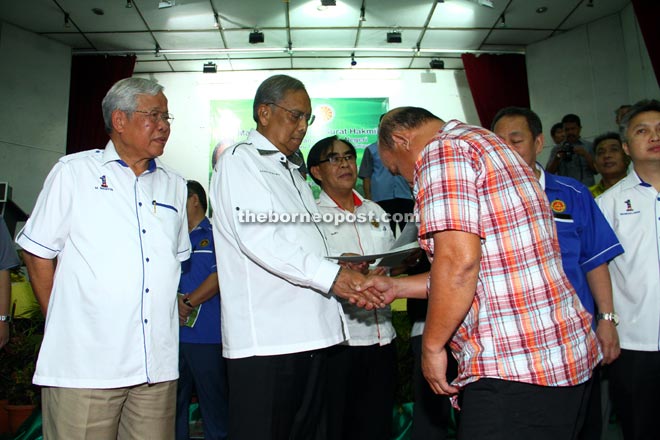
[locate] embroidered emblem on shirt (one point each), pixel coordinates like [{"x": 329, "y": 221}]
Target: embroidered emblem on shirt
[
  {"x": 558, "y": 206},
  {"x": 204, "y": 242},
  {"x": 628, "y": 205},
  {"x": 104, "y": 184},
  {"x": 375, "y": 223}
]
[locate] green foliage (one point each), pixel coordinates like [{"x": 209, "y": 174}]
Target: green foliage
[{"x": 18, "y": 360}]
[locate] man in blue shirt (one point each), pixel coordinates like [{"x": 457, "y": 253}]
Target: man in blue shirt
[
  {"x": 586, "y": 240},
  {"x": 200, "y": 349}
]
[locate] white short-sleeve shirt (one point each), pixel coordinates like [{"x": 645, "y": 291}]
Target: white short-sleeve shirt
[
  {"x": 119, "y": 239},
  {"x": 631, "y": 207},
  {"x": 354, "y": 235}
]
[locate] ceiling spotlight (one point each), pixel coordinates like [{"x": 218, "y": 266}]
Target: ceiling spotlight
[
  {"x": 256, "y": 37},
  {"x": 503, "y": 20},
  {"x": 216, "y": 20},
  {"x": 328, "y": 2},
  {"x": 394, "y": 37},
  {"x": 590, "y": 4},
  {"x": 210, "y": 67},
  {"x": 362, "y": 16},
  {"x": 166, "y": 4},
  {"x": 353, "y": 62},
  {"x": 437, "y": 64},
  {"x": 67, "y": 20},
  {"x": 157, "y": 53},
  {"x": 98, "y": 11},
  {"x": 486, "y": 3},
  {"x": 541, "y": 9},
  {"x": 129, "y": 3}
]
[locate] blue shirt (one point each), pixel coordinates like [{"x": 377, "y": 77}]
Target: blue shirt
[
  {"x": 193, "y": 272},
  {"x": 585, "y": 237},
  {"x": 384, "y": 185}
]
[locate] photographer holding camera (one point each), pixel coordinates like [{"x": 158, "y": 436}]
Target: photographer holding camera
[{"x": 574, "y": 157}]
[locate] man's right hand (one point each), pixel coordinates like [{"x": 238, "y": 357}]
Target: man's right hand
[{"x": 348, "y": 286}]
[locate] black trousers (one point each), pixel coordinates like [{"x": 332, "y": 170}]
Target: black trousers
[
  {"x": 634, "y": 389},
  {"x": 431, "y": 412},
  {"x": 278, "y": 397},
  {"x": 361, "y": 385},
  {"x": 396, "y": 208},
  {"x": 504, "y": 410}
]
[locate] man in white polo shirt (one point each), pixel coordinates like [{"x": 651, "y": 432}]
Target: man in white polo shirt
[
  {"x": 631, "y": 207},
  {"x": 103, "y": 249}
]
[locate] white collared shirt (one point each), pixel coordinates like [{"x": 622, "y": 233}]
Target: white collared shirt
[
  {"x": 119, "y": 239},
  {"x": 365, "y": 327},
  {"x": 631, "y": 207},
  {"x": 274, "y": 279}
]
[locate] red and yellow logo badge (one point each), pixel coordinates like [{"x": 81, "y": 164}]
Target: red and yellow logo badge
[
  {"x": 204, "y": 243},
  {"x": 558, "y": 206}
]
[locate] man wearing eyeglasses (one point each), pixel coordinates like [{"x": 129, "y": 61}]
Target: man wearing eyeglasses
[
  {"x": 279, "y": 308},
  {"x": 114, "y": 221}
]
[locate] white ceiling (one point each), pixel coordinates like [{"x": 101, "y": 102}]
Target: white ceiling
[{"x": 297, "y": 34}]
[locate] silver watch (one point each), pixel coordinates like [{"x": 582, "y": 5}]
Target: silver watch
[
  {"x": 5, "y": 318},
  {"x": 608, "y": 317}
]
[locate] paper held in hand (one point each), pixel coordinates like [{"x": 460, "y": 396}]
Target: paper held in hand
[{"x": 404, "y": 246}]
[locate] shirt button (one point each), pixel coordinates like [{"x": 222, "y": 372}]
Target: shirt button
[
  {"x": 144, "y": 231},
  {"x": 139, "y": 203},
  {"x": 146, "y": 321},
  {"x": 146, "y": 290},
  {"x": 147, "y": 259}
]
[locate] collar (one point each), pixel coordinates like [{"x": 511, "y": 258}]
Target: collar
[
  {"x": 266, "y": 149},
  {"x": 450, "y": 125},
  {"x": 110, "y": 155},
  {"x": 542, "y": 179},
  {"x": 204, "y": 224},
  {"x": 632, "y": 180},
  {"x": 326, "y": 201}
]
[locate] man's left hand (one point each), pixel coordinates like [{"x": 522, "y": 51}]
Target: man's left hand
[{"x": 609, "y": 341}]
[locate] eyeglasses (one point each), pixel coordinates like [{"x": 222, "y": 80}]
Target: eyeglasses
[
  {"x": 337, "y": 160},
  {"x": 296, "y": 115},
  {"x": 155, "y": 116}
]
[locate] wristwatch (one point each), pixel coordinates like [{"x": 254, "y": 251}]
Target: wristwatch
[
  {"x": 608, "y": 317},
  {"x": 187, "y": 302},
  {"x": 5, "y": 318}
]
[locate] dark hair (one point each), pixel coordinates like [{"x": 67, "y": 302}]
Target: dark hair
[
  {"x": 402, "y": 117},
  {"x": 320, "y": 150},
  {"x": 194, "y": 187},
  {"x": 272, "y": 90},
  {"x": 646, "y": 105},
  {"x": 571, "y": 118},
  {"x": 606, "y": 136},
  {"x": 533, "y": 120},
  {"x": 556, "y": 127}
]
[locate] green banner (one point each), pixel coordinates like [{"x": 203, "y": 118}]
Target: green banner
[{"x": 353, "y": 119}]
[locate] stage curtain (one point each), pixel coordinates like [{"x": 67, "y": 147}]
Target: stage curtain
[
  {"x": 496, "y": 81},
  {"x": 647, "y": 12},
  {"x": 91, "y": 78}
]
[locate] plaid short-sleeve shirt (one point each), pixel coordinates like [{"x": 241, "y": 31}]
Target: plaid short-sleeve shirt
[{"x": 526, "y": 323}]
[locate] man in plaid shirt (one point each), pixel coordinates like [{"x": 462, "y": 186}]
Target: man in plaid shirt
[{"x": 496, "y": 290}]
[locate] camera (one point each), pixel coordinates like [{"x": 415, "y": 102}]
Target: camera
[{"x": 566, "y": 151}]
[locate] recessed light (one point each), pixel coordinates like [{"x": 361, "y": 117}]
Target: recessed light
[{"x": 541, "y": 10}]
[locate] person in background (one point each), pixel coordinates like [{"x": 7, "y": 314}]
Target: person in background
[
  {"x": 362, "y": 370},
  {"x": 574, "y": 157},
  {"x": 114, "y": 221},
  {"x": 280, "y": 312},
  {"x": 557, "y": 134},
  {"x": 631, "y": 208},
  {"x": 620, "y": 112},
  {"x": 201, "y": 365},
  {"x": 586, "y": 240},
  {"x": 523, "y": 341},
  {"x": 8, "y": 260},
  {"x": 390, "y": 192},
  {"x": 611, "y": 162}
]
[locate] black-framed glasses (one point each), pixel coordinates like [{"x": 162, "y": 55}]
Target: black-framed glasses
[
  {"x": 155, "y": 116},
  {"x": 336, "y": 159},
  {"x": 296, "y": 115}
]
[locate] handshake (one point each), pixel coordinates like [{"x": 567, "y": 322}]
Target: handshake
[{"x": 371, "y": 291}]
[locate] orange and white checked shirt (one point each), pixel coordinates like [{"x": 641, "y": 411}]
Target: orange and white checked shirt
[{"x": 526, "y": 323}]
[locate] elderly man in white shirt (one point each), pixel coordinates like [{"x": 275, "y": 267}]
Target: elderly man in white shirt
[
  {"x": 279, "y": 306},
  {"x": 114, "y": 221},
  {"x": 362, "y": 372},
  {"x": 631, "y": 207}
]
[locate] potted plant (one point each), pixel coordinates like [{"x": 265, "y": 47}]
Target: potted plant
[{"x": 21, "y": 356}]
